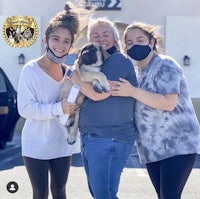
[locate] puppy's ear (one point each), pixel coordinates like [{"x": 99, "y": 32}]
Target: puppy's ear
[
  {"x": 105, "y": 54},
  {"x": 79, "y": 59}
]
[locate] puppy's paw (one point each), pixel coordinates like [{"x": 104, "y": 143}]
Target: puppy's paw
[
  {"x": 71, "y": 139},
  {"x": 97, "y": 86},
  {"x": 70, "y": 122},
  {"x": 104, "y": 89},
  {"x": 105, "y": 86}
]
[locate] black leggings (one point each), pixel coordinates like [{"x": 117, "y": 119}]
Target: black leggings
[
  {"x": 170, "y": 175},
  {"x": 38, "y": 174}
]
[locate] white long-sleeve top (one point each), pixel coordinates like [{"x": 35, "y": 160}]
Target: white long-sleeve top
[{"x": 43, "y": 136}]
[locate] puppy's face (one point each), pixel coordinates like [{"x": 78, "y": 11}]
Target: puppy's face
[{"x": 92, "y": 54}]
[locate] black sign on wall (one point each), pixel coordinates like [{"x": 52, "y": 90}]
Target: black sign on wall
[{"x": 104, "y": 4}]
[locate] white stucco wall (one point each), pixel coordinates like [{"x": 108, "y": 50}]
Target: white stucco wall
[
  {"x": 182, "y": 38},
  {"x": 150, "y": 11},
  {"x": 42, "y": 12},
  {"x": 9, "y": 55}
]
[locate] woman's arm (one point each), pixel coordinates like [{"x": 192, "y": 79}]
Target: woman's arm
[
  {"x": 154, "y": 100},
  {"x": 30, "y": 99},
  {"x": 87, "y": 89}
]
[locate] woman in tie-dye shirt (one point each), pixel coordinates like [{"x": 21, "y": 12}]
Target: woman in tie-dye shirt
[{"x": 168, "y": 130}]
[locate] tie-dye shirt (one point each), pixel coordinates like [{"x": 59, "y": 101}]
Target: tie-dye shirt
[{"x": 164, "y": 134}]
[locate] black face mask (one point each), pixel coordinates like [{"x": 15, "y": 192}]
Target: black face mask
[
  {"x": 139, "y": 52},
  {"x": 112, "y": 50}
]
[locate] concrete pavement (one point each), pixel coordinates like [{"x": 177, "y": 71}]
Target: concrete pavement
[{"x": 135, "y": 183}]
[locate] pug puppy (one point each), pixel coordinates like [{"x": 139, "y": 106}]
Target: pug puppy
[{"x": 88, "y": 64}]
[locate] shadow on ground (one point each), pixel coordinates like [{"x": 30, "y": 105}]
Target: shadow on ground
[{"x": 10, "y": 157}]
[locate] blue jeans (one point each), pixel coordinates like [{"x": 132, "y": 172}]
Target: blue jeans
[{"x": 104, "y": 160}]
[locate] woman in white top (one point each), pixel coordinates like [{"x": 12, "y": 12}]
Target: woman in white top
[{"x": 44, "y": 147}]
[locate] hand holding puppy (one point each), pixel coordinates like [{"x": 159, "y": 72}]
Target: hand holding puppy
[{"x": 68, "y": 107}]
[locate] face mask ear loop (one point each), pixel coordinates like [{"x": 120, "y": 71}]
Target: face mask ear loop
[
  {"x": 153, "y": 44},
  {"x": 46, "y": 45}
]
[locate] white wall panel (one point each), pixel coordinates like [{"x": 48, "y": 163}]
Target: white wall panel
[
  {"x": 9, "y": 55},
  {"x": 183, "y": 38}
]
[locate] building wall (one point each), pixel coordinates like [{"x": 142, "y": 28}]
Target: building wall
[
  {"x": 42, "y": 11},
  {"x": 150, "y": 11},
  {"x": 182, "y": 38},
  {"x": 9, "y": 55}
]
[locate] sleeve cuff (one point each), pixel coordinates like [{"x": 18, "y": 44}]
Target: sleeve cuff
[{"x": 57, "y": 109}]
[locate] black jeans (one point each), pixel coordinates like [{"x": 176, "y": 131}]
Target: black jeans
[
  {"x": 38, "y": 173},
  {"x": 170, "y": 175}
]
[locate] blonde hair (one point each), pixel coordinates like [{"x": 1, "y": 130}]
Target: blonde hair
[{"x": 103, "y": 20}]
